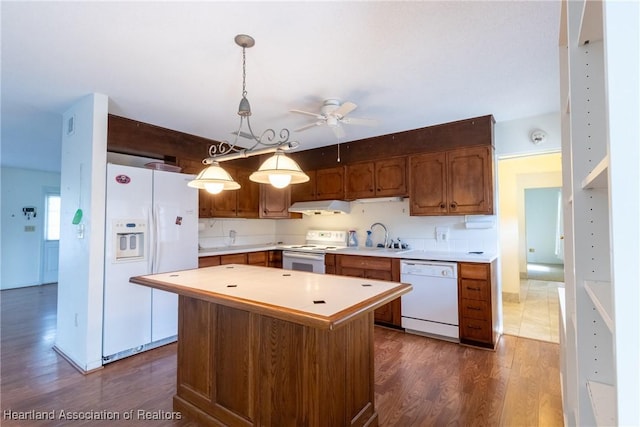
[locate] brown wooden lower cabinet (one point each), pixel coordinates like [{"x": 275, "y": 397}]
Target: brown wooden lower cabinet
[
  {"x": 477, "y": 304},
  {"x": 271, "y": 258},
  {"x": 378, "y": 268},
  {"x": 243, "y": 368}
]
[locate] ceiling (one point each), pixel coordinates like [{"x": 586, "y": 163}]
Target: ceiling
[{"x": 175, "y": 65}]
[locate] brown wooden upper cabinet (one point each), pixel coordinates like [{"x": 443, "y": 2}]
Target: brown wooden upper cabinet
[
  {"x": 324, "y": 184},
  {"x": 454, "y": 182},
  {"x": 274, "y": 202},
  {"x": 241, "y": 203},
  {"x": 381, "y": 178}
]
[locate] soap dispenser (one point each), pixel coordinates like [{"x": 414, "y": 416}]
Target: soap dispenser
[
  {"x": 353, "y": 239},
  {"x": 369, "y": 242}
]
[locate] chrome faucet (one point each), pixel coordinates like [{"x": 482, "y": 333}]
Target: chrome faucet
[{"x": 386, "y": 232}]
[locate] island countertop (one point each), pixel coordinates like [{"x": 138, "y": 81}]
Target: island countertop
[{"x": 318, "y": 300}]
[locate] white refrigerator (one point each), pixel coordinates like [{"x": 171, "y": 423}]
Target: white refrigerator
[{"x": 151, "y": 227}]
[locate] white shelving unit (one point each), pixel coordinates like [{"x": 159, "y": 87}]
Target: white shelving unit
[{"x": 600, "y": 337}]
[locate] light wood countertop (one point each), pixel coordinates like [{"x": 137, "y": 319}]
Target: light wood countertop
[{"x": 317, "y": 300}]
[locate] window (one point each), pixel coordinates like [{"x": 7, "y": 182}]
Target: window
[{"x": 52, "y": 217}]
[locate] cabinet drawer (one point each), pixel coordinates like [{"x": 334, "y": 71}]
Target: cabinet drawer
[
  {"x": 475, "y": 329},
  {"x": 475, "y": 309},
  {"x": 233, "y": 259},
  {"x": 474, "y": 271},
  {"x": 257, "y": 258},
  {"x": 475, "y": 289},
  {"x": 208, "y": 261},
  {"x": 366, "y": 262}
]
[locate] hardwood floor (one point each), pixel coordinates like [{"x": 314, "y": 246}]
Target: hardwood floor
[{"x": 419, "y": 381}]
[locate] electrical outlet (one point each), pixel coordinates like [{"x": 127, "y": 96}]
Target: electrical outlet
[
  {"x": 532, "y": 250},
  {"x": 29, "y": 228},
  {"x": 442, "y": 234}
]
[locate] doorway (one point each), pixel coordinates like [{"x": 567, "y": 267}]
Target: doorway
[
  {"x": 544, "y": 234},
  {"x": 529, "y": 304}
]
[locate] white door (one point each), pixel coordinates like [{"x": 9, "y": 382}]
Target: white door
[
  {"x": 127, "y": 307},
  {"x": 176, "y": 230}
]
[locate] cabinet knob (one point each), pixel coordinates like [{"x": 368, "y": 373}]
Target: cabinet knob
[
  {"x": 442, "y": 206},
  {"x": 453, "y": 205}
]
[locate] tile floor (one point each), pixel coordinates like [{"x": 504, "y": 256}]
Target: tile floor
[{"x": 536, "y": 315}]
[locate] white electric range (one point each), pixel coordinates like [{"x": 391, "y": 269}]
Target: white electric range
[{"x": 310, "y": 255}]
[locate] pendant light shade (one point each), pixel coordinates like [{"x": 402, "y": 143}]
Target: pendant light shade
[
  {"x": 214, "y": 179},
  {"x": 279, "y": 171}
]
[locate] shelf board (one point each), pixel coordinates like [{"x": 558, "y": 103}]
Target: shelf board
[
  {"x": 603, "y": 402},
  {"x": 600, "y": 294},
  {"x": 591, "y": 25},
  {"x": 598, "y": 177}
]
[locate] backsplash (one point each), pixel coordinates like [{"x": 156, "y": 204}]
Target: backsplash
[{"x": 417, "y": 231}]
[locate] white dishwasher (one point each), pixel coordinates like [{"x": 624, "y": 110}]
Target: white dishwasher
[{"x": 431, "y": 308}]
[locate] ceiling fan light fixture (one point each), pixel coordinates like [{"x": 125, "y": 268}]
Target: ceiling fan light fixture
[
  {"x": 279, "y": 171},
  {"x": 214, "y": 179}
]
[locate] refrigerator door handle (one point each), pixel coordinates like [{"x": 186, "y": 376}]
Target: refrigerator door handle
[
  {"x": 156, "y": 239},
  {"x": 152, "y": 240}
]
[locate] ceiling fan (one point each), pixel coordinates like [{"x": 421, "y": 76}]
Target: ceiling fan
[{"x": 334, "y": 114}]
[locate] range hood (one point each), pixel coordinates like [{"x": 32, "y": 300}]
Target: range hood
[{"x": 321, "y": 207}]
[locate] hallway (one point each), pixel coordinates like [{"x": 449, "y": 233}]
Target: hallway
[{"x": 536, "y": 315}]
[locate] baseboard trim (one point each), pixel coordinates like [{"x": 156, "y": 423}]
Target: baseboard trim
[{"x": 73, "y": 363}]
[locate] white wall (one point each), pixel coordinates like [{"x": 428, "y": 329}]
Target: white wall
[
  {"x": 22, "y": 250},
  {"x": 417, "y": 231},
  {"x": 80, "y": 283},
  {"x": 512, "y": 138}
]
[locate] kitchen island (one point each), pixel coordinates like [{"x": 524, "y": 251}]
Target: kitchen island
[{"x": 265, "y": 346}]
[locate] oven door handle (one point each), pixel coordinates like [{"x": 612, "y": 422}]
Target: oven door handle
[{"x": 300, "y": 255}]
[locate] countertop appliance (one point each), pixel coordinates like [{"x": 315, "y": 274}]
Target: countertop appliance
[
  {"x": 310, "y": 256},
  {"x": 432, "y": 307},
  {"x": 151, "y": 227}
]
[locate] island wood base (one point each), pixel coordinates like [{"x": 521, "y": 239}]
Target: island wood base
[{"x": 242, "y": 368}]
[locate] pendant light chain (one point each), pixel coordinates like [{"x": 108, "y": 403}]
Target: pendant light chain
[{"x": 244, "y": 72}]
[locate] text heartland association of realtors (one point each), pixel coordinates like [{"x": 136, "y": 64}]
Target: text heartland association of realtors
[{"x": 62, "y": 414}]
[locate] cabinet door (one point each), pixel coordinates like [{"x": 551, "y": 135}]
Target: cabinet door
[
  {"x": 257, "y": 258},
  {"x": 274, "y": 202},
  {"x": 224, "y": 204},
  {"x": 391, "y": 177},
  {"x": 470, "y": 186},
  {"x": 205, "y": 204},
  {"x": 330, "y": 183},
  {"x": 248, "y": 200},
  {"x": 428, "y": 184},
  {"x": 360, "y": 181},
  {"x": 306, "y": 191}
]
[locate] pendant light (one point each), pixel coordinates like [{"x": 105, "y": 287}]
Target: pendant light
[
  {"x": 278, "y": 170},
  {"x": 214, "y": 179}
]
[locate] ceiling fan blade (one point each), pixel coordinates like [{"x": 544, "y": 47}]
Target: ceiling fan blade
[
  {"x": 359, "y": 121},
  {"x": 338, "y": 131},
  {"x": 310, "y": 125},
  {"x": 344, "y": 109},
  {"x": 316, "y": 115}
]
